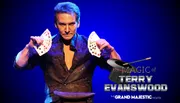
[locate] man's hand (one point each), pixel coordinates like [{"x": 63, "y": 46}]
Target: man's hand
[
  {"x": 35, "y": 41},
  {"x": 102, "y": 43},
  {"x": 23, "y": 56}
]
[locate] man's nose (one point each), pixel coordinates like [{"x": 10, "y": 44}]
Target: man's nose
[{"x": 67, "y": 29}]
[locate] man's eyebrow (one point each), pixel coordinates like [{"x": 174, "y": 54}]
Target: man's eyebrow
[
  {"x": 66, "y": 23},
  {"x": 61, "y": 23},
  {"x": 72, "y": 23}
]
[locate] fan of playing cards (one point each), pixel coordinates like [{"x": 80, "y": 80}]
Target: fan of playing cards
[
  {"x": 92, "y": 46},
  {"x": 46, "y": 45}
]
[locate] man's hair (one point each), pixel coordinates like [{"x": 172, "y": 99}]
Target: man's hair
[{"x": 67, "y": 7}]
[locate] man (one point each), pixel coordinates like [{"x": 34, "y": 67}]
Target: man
[{"x": 68, "y": 66}]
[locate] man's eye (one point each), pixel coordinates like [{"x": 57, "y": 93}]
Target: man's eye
[
  {"x": 62, "y": 24},
  {"x": 71, "y": 24}
]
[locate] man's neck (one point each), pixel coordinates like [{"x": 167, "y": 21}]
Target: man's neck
[{"x": 66, "y": 42}]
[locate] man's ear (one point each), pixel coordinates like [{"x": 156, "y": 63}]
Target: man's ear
[
  {"x": 55, "y": 25},
  {"x": 78, "y": 24}
]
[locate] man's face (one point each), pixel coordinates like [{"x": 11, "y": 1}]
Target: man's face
[{"x": 67, "y": 25}]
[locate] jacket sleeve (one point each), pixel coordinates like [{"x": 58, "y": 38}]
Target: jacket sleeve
[{"x": 102, "y": 61}]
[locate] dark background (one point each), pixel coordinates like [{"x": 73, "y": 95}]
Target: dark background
[{"x": 136, "y": 28}]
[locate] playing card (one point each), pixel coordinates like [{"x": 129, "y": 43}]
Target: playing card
[
  {"x": 92, "y": 46},
  {"x": 93, "y": 36},
  {"x": 94, "y": 50},
  {"x": 46, "y": 45}
]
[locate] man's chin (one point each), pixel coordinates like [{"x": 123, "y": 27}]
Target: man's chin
[{"x": 67, "y": 37}]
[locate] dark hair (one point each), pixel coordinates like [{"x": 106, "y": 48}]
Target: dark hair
[{"x": 67, "y": 7}]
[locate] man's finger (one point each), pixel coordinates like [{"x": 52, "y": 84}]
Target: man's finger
[
  {"x": 100, "y": 42},
  {"x": 36, "y": 40},
  {"x": 39, "y": 41},
  {"x": 103, "y": 46},
  {"x": 33, "y": 39}
]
